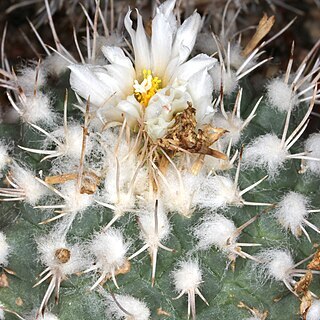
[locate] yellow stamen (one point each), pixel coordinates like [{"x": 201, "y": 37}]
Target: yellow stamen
[{"x": 145, "y": 90}]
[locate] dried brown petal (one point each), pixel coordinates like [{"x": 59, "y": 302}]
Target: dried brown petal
[
  {"x": 19, "y": 302},
  {"x": 184, "y": 136},
  {"x": 255, "y": 312},
  {"x": 302, "y": 286},
  {"x": 62, "y": 178},
  {"x": 90, "y": 181},
  {"x": 162, "y": 312},
  {"x": 315, "y": 263},
  {"x": 125, "y": 268},
  {"x": 264, "y": 27},
  {"x": 306, "y": 302},
  {"x": 4, "y": 282}
]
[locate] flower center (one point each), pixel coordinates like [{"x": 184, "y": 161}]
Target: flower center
[{"x": 145, "y": 90}]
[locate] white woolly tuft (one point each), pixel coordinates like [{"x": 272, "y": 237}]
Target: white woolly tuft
[
  {"x": 232, "y": 124},
  {"x": 110, "y": 249},
  {"x": 313, "y": 312},
  {"x": 27, "y": 79},
  {"x": 48, "y": 246},
  {"x": 26, "y": 181},
  {"x": 4, "y": 157},
  {"x": 280, "y": 95},
  {"x": 188, "y": 276},
  {"x": 49, "y": 316},
  {"x": 37, "y": 109},
  {"x": 55, "y": 64},
  {"x": 46, "y": 316},
  {"x": 291, "y": 211},
  {"x": 109, "y": 140},
  {"x": 229, "y": 79},
  {"x": 212, "y": 164},
  {"x": 179, "y": 194},
  {"x": 127, "y": 169},
  {"x": 276, "y": 264},
  {"x": 72, "y": 141},
  {"x": 135, "y": 307},
  {"x": 147, "y": 220},
  {"x": 2, "y": 316},
  {"x": 124, "y": 200},
  {"x": 312, "y": 147},
  {"x": 141, "y": 185},
  {"x": 217, "y": 191},
  {"x": 215, "y": 230},
  {"x": 75, "y": 201},
  {"x": 4, "y": 250},
  {"x": 237, "y": 58},
  {"x": 265, "y": 151}
]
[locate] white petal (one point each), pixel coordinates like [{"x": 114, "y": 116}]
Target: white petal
[
  {"x": 167, "y": 102},
  {"x": 131, "y": 107},
  {"x": 115, "y": 55},
  {"x": 166, "y": 8},
  {"x": 122, "y": 77},
  {"x": 140, "y": 43},
  {"x": 107, "y": 79},
  {"x": 161, "y": 44},
  {"x": 158, "y": 127},
  {"x": 128, "y": 109},
  {"x": 170, "y": 71},
  {"x": 200, "y": 87},
  {"x": 186, "y": 37},
  {"x": 86, "y": 83},
  {"x": 194, "y": 65},
  {"x": 159, "y": 102},
  {"x": 111, "y": 114}
]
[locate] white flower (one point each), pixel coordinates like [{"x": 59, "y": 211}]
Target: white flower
[{"x": 159, "y": 83}]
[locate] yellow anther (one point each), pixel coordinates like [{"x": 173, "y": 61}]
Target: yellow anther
[{"x": 145, "y": 90}]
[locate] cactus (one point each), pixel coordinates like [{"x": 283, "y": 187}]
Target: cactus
[{"x": 148, "y": 182}]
